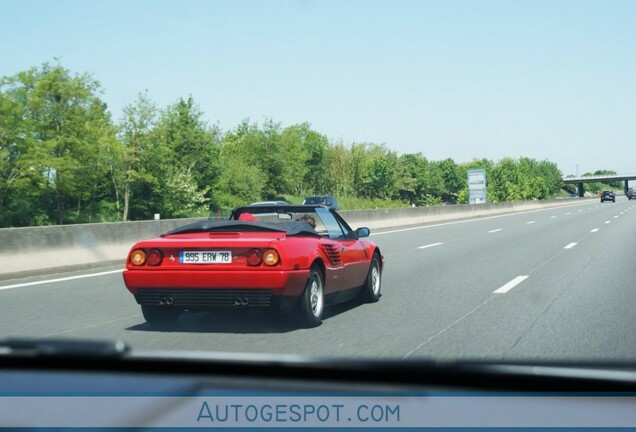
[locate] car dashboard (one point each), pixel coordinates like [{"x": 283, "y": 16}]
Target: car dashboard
[{"x": 124, "y": 388}]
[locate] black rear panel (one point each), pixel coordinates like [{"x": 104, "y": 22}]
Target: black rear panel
[{"x": 204, "y": 298}]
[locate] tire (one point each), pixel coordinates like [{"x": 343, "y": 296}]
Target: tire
[
  {"x": 371, "y": 289},
  {"x": 159, "y": 316},
  {"x": 312, "y": 304}
]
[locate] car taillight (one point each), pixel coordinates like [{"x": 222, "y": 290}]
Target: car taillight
[
  {"x": 271, "y": 257},
  {"x": 138, "y": 257},
  {"x": 254, "y": 257},
  {"x": 154, "y": 257}
]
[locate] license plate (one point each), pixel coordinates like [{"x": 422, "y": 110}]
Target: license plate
[{"x": 205, "y": 257}]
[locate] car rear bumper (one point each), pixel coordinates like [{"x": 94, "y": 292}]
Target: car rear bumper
[
  {"x": 213, "y": 298},
  {"x": 210, "y": 289}
]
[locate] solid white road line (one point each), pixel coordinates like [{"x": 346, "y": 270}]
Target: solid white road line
[
  {"x": 594, "y": 230},
  {"x": 571, "y": 245},
  {"x": 495, "y": 230},
  {"x": 42, "y": 282},
  {"x": 510, "y": 285},
  {"x": 430, "y": 245}
]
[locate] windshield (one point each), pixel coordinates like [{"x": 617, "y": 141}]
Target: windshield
[
  {"x": 470, "y": 147},
  {"x": 314, "y": 200}
]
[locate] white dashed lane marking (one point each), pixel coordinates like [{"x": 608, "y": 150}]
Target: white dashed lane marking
[
  {"x": 510, "y": 285},
  {"x": 430, "y": 245}
]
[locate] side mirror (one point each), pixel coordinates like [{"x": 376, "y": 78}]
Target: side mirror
[{"x": 363, "y": 232}]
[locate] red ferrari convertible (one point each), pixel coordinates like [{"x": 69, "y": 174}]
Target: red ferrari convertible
[{"x": 296, "y": 258}]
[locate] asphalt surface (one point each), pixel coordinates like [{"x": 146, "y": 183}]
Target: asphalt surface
[{"x": 552, "y": 284}]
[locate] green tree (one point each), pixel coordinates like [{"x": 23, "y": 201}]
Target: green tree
[
  {"x": 552, "y": 175},
  {"x": 183, "y": 197},
  {"x": 317, "y": 146},
  {"x": 182, "y": 150},
  {"x": 135, "y": 131},
  {"x": 305, "y": 151},
  {"x": 194, "y": 144},
  {"x": 407, "y": 184},
  {"x": 339, "y": 170},
  {"x": 66, "y": 132},
  {"x": 455, "y": 179},
  {"x": 359, "y": 160},
  {"x": 503, "y": 183},
  {"x": 294, "y": 151},
  {"x": 380, "y": 178},
  {"x": 240, "y": 183},
  {"x": 419, "y": 181},
  {"x": 282, "y": 155},
  {"x": 14, "y": 164}
]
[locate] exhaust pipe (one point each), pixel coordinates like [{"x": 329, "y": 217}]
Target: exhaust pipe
[
  {"x": 166, "y": 300},
  {"x": 241, "y": 301}
]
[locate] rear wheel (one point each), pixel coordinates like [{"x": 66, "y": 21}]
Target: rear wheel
[
  {"x": 312, "y": 304},
  {"x": 371, "y": 290},
  {"x": 160, "y": 316}
]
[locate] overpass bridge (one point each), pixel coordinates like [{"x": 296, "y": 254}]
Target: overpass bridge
[{"x": 579, "y": 181}]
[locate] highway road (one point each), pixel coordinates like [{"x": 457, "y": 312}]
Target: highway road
[{"x": 551, "y": 284}]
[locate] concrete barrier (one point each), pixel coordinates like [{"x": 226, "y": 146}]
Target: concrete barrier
[
  {"x": 37, "y": 250},
  {"x": 389, "y": 218},
  {"x": 44, "y": 250}
]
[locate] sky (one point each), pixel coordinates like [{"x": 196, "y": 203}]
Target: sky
[{"x": 551, "y": 80}]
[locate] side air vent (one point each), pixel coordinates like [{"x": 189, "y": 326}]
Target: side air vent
[{"x": 333, "y": 253}]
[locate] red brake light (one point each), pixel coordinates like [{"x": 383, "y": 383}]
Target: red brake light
[
  {"x": 254, "y": 257},
  {"x": 154, "y": 257}
]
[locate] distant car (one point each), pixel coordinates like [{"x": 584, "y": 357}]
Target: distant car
[
  {"x": 266, "y": 203},
  {"x": 608, "y": 196},
  {"x": 296, "y": 258},
  {"x": 326, "y": 200},
  {"x": 631, "y": 194}
]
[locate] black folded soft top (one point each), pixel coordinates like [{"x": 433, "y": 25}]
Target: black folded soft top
[{"x": 291, "y": 228}]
